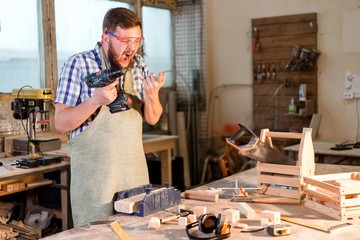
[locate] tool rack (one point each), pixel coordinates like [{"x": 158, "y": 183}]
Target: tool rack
[{"x": 286, "y": 180}]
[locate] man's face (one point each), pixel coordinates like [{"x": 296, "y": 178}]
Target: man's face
[{"x": 123, "y": 45}]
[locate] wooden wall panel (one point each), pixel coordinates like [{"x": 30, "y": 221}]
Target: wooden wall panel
[{"x": 276, "y": 37}]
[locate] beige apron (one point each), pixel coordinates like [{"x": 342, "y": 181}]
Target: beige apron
[{"x": 106, "y": 158}]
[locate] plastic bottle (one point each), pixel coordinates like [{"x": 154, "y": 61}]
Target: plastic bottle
[
  {"x": 300, "y": 93},
  {"x": 292, "y": 106}
]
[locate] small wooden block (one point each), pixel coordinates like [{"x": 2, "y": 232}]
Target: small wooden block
[
  {"x": 154, "y": 223},
  {"x": 191, "y": 218},
  {"x": 265, "y": 222},
  {"x": 233, "y": 215},
  {"x": 198, "y": 210},
  {"x": 247, "y": 211},
  {"x": 273, "y": 216},
  {"x": 182, "y": 221}
]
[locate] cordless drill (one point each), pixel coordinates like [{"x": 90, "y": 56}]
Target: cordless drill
[{"x": 105, "y": 77}]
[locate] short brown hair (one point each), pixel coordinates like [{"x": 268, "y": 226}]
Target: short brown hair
[{"x": 121, "y": 17}]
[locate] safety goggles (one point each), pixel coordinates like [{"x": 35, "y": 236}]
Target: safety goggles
[{"x": 126, "y": 41}]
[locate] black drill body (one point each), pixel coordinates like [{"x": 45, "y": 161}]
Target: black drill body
[{"x": 106, "y": 77}]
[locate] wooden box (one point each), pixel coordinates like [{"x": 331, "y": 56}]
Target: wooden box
[
  {"x": 336, "y": 195},
  {"x": 285, "y": 180}
]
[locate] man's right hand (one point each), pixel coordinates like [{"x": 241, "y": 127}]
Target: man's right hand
[
  {"x": 68, "y": 118},
  {"x": 105, "y": 95}
]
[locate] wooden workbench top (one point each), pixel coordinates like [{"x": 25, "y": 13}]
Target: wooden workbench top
[
  {"x": 136, "y": 227},
  {"x": 324, "y": 148}
]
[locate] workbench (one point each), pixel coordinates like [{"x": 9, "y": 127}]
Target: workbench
[
  {"x": 12, "y": 175},
  {"x": 324, "y": 154},
  {"x": 136, "y": 227}
]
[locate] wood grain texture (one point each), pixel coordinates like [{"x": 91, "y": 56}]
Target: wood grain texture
[{"x": 276, "y": 37}]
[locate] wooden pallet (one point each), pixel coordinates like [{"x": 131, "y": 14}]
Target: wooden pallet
[
  {"x": 285, "y": 180},
  {"x": 336, "y": 195}
]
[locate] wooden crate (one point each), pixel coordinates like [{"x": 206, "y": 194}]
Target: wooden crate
[
  {"x": 336, "y": 195},
  {"x": 285, "y": 180}
]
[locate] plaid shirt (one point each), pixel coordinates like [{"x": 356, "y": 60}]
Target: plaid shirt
[{"x": 72, "y": 89}]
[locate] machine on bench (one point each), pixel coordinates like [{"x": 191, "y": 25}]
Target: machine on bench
[{"x": 26, "y": 105}]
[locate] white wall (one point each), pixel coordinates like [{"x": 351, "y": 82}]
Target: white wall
[{"x": 228, "y": 25}]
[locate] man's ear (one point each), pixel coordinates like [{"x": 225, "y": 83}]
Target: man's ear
[{"x": 105, "y": 37}]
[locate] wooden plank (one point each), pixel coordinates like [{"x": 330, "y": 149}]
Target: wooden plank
[
  {"x": 323, "y": 191},
  {"x": 285, "y": 19},
  {"x": 330, "y": 177},
  {"x": 290, "y": 193},
  {"x": 119, "y": 231},
  {"x": 279, "y": 180},
  {"x": 323, "y": 209},
  {"x": 284, "y": 135},
  {"x": 323, "y": 185},
  {"x": 322, "y": 197},
  {"x": 352, "y": 202},
  {"x": 202, "y": 195},
  {"x": 277, "y": 168},
  {"x": 286, "y": 42},
  {"x": 348, "y": 183}
]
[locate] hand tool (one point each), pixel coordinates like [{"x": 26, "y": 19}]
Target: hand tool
[
  {"x": 278, "y": 229},
  {"x": 106, "y": 77},
  {"x": 183, "y": 213},
  {"x": 101, "y": 222},
  {"x": 145, "y": 200}
]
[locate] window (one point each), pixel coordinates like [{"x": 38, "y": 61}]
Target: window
[
  {"x": 158, "y": 46},
  {"x": 78, "y": 29},
  {"x": 21, "y": 38},
  {"x": 20, "y": 45}
]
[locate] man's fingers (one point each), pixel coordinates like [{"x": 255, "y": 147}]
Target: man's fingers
[{"x": 161, "y": 77}]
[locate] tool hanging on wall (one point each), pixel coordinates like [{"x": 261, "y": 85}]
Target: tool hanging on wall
[{"x": 255, "y": 41}]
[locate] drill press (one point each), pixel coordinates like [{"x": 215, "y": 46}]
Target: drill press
[{"x": 26, "y": 105}]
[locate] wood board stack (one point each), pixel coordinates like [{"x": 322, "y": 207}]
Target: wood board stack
[
  {"x": 286, "y": 180},
  {"x": 335, "y": 195}
]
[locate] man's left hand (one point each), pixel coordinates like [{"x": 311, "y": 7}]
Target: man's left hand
[{"x": 152, "y": 84}]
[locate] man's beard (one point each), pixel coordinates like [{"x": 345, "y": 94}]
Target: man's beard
[{"x": 112, "y": 56}]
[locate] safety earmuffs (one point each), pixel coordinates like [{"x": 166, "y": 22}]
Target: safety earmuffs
[{"x": 209, "y": 223}]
